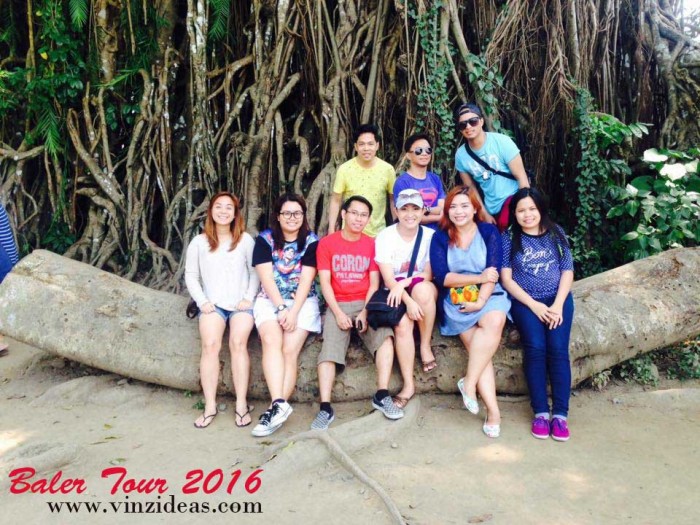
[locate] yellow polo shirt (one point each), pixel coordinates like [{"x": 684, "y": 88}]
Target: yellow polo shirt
[{"x": 371, "y": 183}]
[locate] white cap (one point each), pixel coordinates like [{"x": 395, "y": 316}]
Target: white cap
[{"x": 409, "y": 196}]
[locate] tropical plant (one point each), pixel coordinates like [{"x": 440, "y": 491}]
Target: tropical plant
[{"x": 663, "y": 208}]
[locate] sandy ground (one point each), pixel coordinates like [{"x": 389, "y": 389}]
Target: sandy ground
[{"x": 634, "y": 457}]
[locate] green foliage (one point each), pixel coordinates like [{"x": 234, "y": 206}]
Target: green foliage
[
  {"x": 54, "y": 83},
  {"x": 485, "y": 80},
  {"x": 58, "y": 238},
  {"x": 687, "y": 362},
  {"x": 434, "y": 114},
  {"x": 199, "y": 405},
  {"x": 600, "y": 380},
  {"x": 664, "y": 208},
  {"x": 78, "y": 12},
  {"x": 218, "y": 17},
  {"x": 601, "y": 138},
  {"x": 640, "y": 370}
]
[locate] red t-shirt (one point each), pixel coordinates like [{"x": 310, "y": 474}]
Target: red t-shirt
[{"x": 349, "y": 262}]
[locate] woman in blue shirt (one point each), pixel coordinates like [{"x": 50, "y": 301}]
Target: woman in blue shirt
[
  {"x": 538, "y": 271},
  {"x": 8, "y": 256},
  {"x": 468, "y": 254}
]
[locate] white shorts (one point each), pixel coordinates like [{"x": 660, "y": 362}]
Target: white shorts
[{"x": 309, "y": 318}]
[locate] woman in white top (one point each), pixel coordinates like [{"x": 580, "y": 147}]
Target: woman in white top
[
  {"x": 394, "y": 247},
  {"x": 221, "y": 279}
]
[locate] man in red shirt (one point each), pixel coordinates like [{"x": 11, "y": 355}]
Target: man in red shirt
[{"x": 349, "y": 276}]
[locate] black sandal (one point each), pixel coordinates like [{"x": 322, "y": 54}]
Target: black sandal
[
  {"x": 207, "y": 420},
  {"x": 239, "y": 416}
]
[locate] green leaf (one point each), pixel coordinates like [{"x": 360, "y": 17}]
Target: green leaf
[
  {"x": 78, "y": 12},
  {"x": 630, "y": 236}
]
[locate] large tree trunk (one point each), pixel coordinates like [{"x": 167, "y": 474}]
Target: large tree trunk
[{"x": 77, "y": 311}]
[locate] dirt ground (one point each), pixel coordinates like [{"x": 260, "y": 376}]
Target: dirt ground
[{"x": 634, "y": 458}]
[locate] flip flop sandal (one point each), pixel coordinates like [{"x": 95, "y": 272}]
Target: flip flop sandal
[
  {"x": 241, "y": 416},
  {"x": 3, "y": 352},
  {"x": 206, "y": 421},
  {"x": 401, "y": 402}
]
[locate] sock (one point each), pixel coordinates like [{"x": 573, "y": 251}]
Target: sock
[
  {"x": 278, "y": 401},
  {"x": 326, "y": 407},
  {"x": 542, "y": 414},
  {"x": 560, "y": 417},
  {"x": 381, "y": 394}
]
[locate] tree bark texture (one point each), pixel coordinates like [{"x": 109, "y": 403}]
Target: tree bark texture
[
  {"x": 117, "y": 131},
  {"x": 104, "y": 321}
]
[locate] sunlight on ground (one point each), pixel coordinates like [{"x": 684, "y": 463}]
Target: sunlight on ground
[
  {"x": 11, "y": 439},
  {"x": 497, "y": 453}
]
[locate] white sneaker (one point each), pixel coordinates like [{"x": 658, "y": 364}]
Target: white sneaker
[
  {"x": 279, "y": 413},
  {"x": 264, "y": 428}
]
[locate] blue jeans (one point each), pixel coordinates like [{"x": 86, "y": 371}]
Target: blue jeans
[{"x": 546, "y": 355}]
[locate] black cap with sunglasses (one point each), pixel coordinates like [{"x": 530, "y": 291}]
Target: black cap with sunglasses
[{"x": 463, "y": 109}]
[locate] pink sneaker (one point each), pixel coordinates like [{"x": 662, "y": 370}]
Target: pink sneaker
[
  {"x": 540, "y": 428},
  {"x": 560, "y": 430}
]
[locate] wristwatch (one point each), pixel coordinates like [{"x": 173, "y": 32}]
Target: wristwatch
[
  {"x": 427, "y": 210},
  {"x": 281, "y": 308}
]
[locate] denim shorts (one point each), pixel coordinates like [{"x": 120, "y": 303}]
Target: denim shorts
[{"x": 228, "y": 314}]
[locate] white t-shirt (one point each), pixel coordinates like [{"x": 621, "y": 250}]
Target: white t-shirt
[
  {"x": 392, "y": 249},
  {"x": 221, "y": 277}
]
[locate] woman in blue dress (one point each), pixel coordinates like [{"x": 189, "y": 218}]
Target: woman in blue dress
[{"x": 466, "y": 256}]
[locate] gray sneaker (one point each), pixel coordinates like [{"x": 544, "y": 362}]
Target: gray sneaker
[
  {"x": 388, "y": 408},
  {"x": 323, "y": 420}
]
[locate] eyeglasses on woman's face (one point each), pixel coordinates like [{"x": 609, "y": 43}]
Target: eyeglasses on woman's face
[
  {"x": 289, "y": 214},
  {"x": 464, "y": 124}
]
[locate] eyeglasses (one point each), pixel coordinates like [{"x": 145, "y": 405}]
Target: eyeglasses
[
  {"x": 360, "y": 214},
  {"x": 289, "y": 214},
  {"x": 420, "y": 151},
  {"x": 464, "y": 124}
]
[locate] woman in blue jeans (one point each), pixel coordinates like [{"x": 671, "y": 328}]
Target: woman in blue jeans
[{"x": 537, "y": 271}]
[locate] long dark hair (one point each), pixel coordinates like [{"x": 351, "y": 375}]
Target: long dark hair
[
  {"x": 546, "y": 223},
  {"x": 277, "y": 235}
]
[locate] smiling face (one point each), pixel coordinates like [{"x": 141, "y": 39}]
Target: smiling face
[
  {"x": 356, "y": 217},
  {"x": 474, "y": 125},
  {"x": 527, "y": 215},
  {"x": 409, "y": 216},
  {"x": 223, "y": 211},
  {"x": 367, "y": 147},
  {"x": 291, "y": 217},
  {"x": 461, "y": 211},
  {"x": 418, "y": 154}
]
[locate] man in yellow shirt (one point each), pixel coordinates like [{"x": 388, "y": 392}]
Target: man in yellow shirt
[{"x": 367, "y": 175}]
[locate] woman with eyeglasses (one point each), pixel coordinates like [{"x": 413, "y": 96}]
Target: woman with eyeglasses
[
  {"x": 466, "y": 259},
  {"x": 394, "y": 249},
  {"x": 477, "y": 160},
  {"x": 286, "y": 309},
  {"x": 419, "y": 152},
  {"x": 220, "y": 277}
]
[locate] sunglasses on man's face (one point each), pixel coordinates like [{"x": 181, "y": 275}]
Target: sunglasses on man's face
[
  {"x": 464, "y": 124},
  {"x": 420, "y": 151}
]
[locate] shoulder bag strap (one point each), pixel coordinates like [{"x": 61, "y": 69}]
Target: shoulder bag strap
[
  {"x": 483, "y": 164},
  {"x": 414, "y": 255}
]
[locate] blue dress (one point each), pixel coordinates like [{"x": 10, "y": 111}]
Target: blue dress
[{"x": 471, "y": 261}]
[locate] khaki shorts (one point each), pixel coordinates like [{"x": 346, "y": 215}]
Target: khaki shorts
[{"x": 336, "y": 341}]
